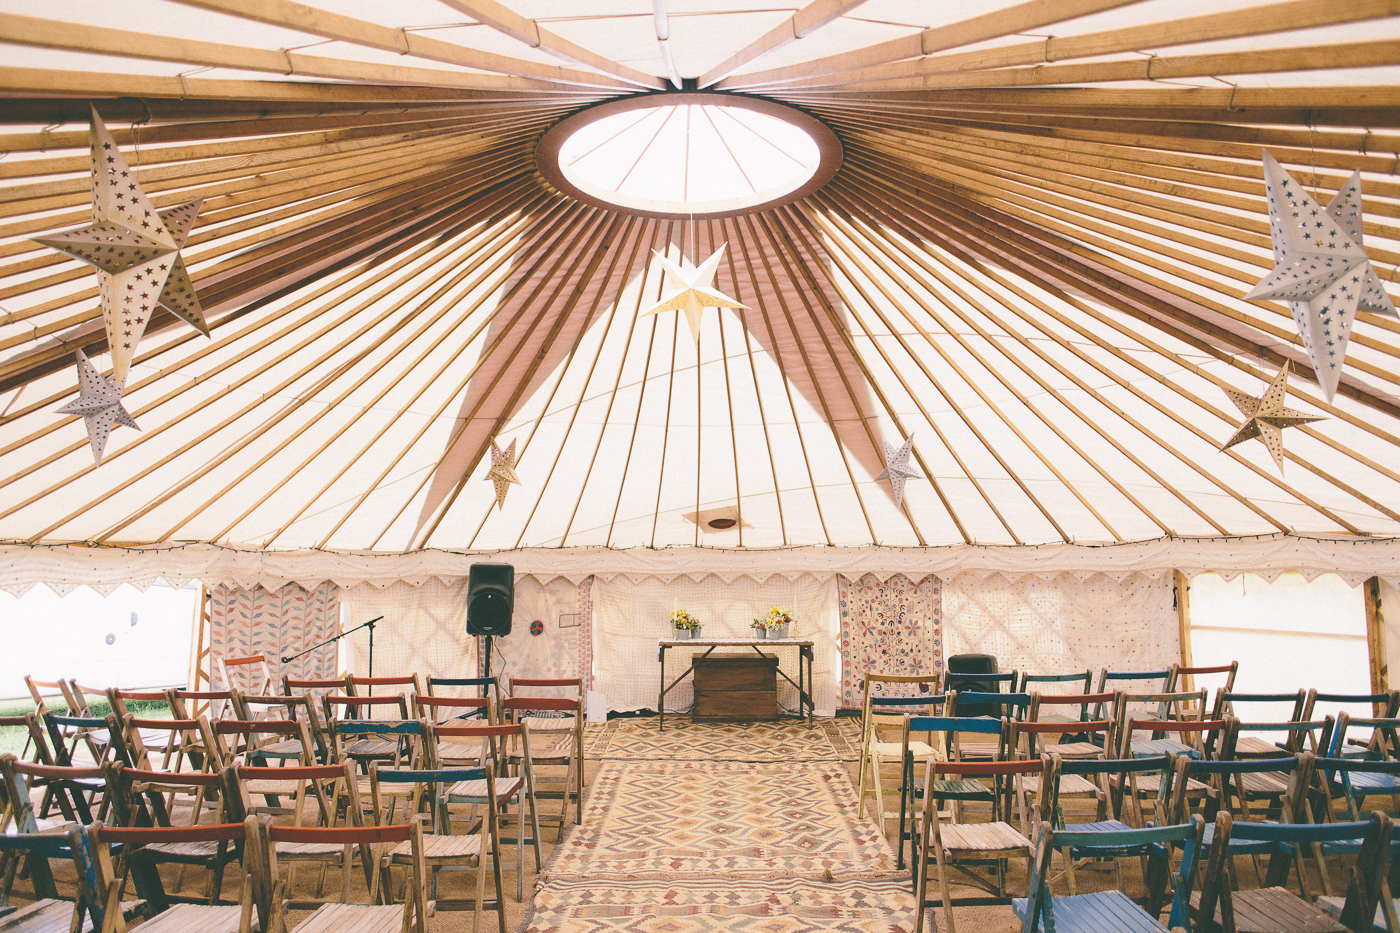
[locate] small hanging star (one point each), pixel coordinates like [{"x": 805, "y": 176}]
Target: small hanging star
[
  {"x": 897, "y": 469},
  {"x": 1320, "y": 268},
  {"x": 1266, "y": 417},
  {"x": 99, "y": 401},
  {"x": 135, "y": 250},
  {"x": 502, "y": 471},
  {"x": 693, "y": 290}
]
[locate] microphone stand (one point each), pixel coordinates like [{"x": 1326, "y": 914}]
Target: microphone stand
[{"x": 335, "y": 638}]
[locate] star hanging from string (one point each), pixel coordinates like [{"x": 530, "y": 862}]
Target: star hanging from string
[
  {"x": 897, "y": 468},
  {"x": 135, "y": 250},
  {"x": 1320, "y": 268},
  {"x": 1266, "y": 417},
  {"x": 693, "y": 289},
  {"x": 99, "y": 401},
  {"x": 502, "y": 472}
]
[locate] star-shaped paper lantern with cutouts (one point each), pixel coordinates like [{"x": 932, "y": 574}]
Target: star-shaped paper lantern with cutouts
[
  {"x": 135, "y": 250},
  {"x": 692, "y": 290},
  {"x": 99, "y": 401},
  {"x": 1320, "y": 268},
  {"x": 897, "y": 468},
  {"x": 502, "y": 472},
  {"x": 1266, "y": 417}
]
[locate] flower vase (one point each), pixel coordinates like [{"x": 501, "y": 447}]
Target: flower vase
[
  {"x": 778, "y": 631},
  {"x": 760, "y": 633},
  {"x": 684, "y": 634}
]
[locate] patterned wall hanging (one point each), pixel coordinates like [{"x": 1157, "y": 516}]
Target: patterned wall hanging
[
  {"x": 1320, "y": 268},
  {"x": 890, "y": 627}
]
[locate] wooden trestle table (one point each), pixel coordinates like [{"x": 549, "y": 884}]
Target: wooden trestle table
[{"x": 806, "y": 702}]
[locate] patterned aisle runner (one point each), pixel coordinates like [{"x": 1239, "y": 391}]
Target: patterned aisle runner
[
  {"x": 692, "y": 847},
  {"x": 641, "y": 740}
]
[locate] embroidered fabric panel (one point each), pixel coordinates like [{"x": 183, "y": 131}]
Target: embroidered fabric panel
[
  {"x": 889, "y": 627},
  {"x": 274, "y": 623},
  {"x": 424, "y": 629},
  {"x": 1065, "y": 624}
]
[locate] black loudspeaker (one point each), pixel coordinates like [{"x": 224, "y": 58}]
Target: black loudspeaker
[
  {"x": 490, "y": 599},
  {"x": 975, "y": 664}
]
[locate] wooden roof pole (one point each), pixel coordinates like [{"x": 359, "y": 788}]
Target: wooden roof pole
[
  {"x": 1190, "y": 426},
  {"x": 1023, "y": 17},
  {"x": 670, "y": 393},
  {"x": 852, "y": 261},
  {"x": 503, "y": 19},
  {"x": 802, "y": 22},
  {"x": 653, "y": 229},
  {"x": 736, "y": 237}
]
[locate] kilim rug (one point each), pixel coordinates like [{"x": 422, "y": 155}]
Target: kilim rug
[
  {"x": 681, "y": 818},
  {"x": 783, "y": 741},
  {"x": 875, "y": 904}
]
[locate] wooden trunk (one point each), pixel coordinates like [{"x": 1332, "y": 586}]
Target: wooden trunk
[{"x": 736, "y": 688}]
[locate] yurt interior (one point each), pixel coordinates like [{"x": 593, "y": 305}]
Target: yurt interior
[{"x": 876, "y": 466}]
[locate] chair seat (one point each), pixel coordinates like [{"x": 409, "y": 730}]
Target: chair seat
[
  {"x": 1375, "y": 783},
  {"x": 340, "y": 918},
  {"x": 549, "y": 724},
  {"x": 287, "y": 748},
  {"x": 1148, "y": 784},
  {"x": 1251, "y": 746},
  {"x": 893, "y": 750},
  {"x": 196, "y": 918},
  {"x": 1270, "y": 909},
  {"x": 1075, "y": 785},
  {"x": 1238, "y": 846},
  {"x": 184, "y": 850},
  {"x": 372, "y": 748},
  {"x": 46, "y": 916},
  {"x": 1151, "y": 748},
  {"x": 440, "y": 847},
  {"x": 1075, "y": 750},
  {"x": 475, "y": 791},
  {"x": 983, "y": 837},
  {"x": 453, "y": 751},
  {"x": 1333, "y": 907},
  {"x": 965, "y": 789},
  {"x": 308, "y": 850},
  {"x": 1102, "y": 910},
  {"x": 263, "y": 788},
  {"x": 971, "y": 750},
  {"x": 1264, "y": 783}
]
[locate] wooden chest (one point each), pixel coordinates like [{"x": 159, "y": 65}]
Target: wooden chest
[{"x": 736, "y": 687}]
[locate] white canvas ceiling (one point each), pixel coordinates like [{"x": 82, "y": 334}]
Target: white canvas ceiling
[{"x": 1032, "y": 259}]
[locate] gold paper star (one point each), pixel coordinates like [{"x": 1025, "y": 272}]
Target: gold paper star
[
  {"x": 693, "y": 290},
  {"x": 99, "y": 401},
  {"x": 135, "y": 250},
  {"x": 502, "y": 471},
  {"x": 1267, "y": 417}
]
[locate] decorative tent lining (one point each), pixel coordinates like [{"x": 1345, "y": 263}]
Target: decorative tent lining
[{"x": 62, "y": 567}]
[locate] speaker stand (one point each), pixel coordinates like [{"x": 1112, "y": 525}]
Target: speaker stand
[{"x": 487, "y": 672}]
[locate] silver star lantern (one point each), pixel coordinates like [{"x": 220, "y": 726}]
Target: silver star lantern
[
  {"x": 502, "y": 472},
  {"x": 135, "y": 250},
  {"x": 693, "y": 290},
  {"x": 1320, "y": 268},
  {"x": 1266, "y": 417},
  {"x": 99, "y": 401},
  {"x": 897, "y": 468}
]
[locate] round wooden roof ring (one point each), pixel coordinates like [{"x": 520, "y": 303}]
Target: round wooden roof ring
[{"x": 690, "y": 154}]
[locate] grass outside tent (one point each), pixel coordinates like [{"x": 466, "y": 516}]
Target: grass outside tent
[{"x": 12, "y": 738}]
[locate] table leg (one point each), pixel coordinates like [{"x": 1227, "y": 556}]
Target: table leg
[{"x": 661, "y": 699}]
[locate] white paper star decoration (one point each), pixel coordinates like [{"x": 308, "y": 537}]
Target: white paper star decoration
[
  {"x": 693, "y": 290},
  {"x": 135, "y": 250},
  {"x": 502, "y": 472},
  {"x": 99, "y": 401},
  {"x": 897, "y": 468},
  {"x": 1266, "y": 417},
  {"x": 1320, "y": 268}
]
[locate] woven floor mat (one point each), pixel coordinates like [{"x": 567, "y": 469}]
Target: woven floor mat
[{"x": 786, "y": 740}]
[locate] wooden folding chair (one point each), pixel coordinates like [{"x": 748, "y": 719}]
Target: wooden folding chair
[
  {"x": 373, "y": 745},
  {"x": 1043, "y": 709},
  {"x": 1084, "y": 679},
  {"x": 1113, "y": 681},
  {"x": 186, "y": 704},
  {"x": 249, "y": 674},
  {"x": 567, "y": 732},
  {"x": 517, "y": 789},
  {"x": 298, "y": 708},
  {"x": 372, "y": 917},
  {"x": 952, "y": 845},
  {"x": 408, "y": 685},
  {"x": 485, "y": 687},
  {"x": 17, "y": 778},
  {"x": 1110, "y": 910},
  {"x": 243, "y": 741},
  {"x": 441, "y": 849},
  {"x": 138, "y": 842},
  {"x": 886, "y": 713},
  {"x": 47, "y": 913}
]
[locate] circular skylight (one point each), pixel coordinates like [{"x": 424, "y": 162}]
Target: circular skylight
[{"x": 683, "y": 155}]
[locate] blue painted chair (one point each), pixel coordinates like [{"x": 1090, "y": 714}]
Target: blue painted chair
[
  {"x": 941, "y": 733},
  {"x": 1084, "y": 679},
  {"x": 1273, "y": 907},
  {"x": 1382, "y": 749},
  {"x": 488, "y": 688},
  {"x": 47, "y": 912},
  {"x": 1117, "y": 799},
  {"x": 397, "y": 739},
  {"x": 1111, "y": 910},
  {"x": 441, "y": 849}
]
